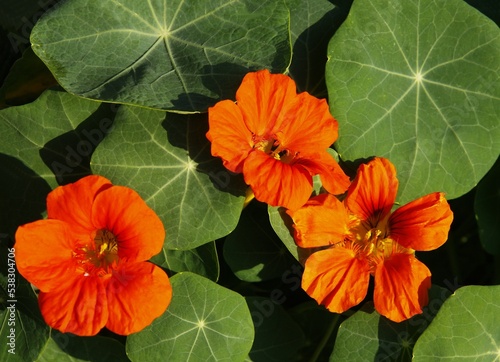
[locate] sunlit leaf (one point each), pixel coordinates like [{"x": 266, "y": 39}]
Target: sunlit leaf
[
  {"x": 282, "y": 225},
  {"x": 466, "y": 328},
  {"x": 166, "y": 159},
  {"x": 417, "y": 82},
  {"x": 177, "y": 55},
  {"x": 203, "y": 322},
  {"x": 367, "y": 336}
]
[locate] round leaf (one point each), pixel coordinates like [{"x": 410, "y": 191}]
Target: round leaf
[
  {"x": 177, "y": 55},
  {"x": 466, "y": 328},
  {"x": 203, "y": 322},
  {"x": 367, "y": 336},
  {"x": 166, "y": 159},
  {"x": 417, "y": 82}
]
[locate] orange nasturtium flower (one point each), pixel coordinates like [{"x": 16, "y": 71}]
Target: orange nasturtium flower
[
  {"x": 277, "y": 138},
  {"x": 360, "y": 237},
  {"x": 89, "y": 259}
]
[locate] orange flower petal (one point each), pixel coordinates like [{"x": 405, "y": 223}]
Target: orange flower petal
[
  {"x": 138, "y": 230},
  {"x": 81, "y": 309},
  {"x": 333, "y": 178},
  {"x": 44, "y": 254},
  {"x": 137, "y": 294},
  {"x": 262, "y": 98},
  {"x": 422, "y": 224},
  {"x": 322, "y": 221},
  {"x": 373, "y": 191},
  {"x": 401, "y": 287},
  {"x": 336, "y": 278},
  {"x": 277, "y": 183},
  {"x": 307, "y": 126},
  {"x": 231, "y": 139},
  {"x": 73, "y": 202}
]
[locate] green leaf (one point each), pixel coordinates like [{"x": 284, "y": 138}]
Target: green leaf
[
  {"x": 203, "y": 322},
  {"x": 42, "y": 144},
  {"x": 66, "y": 347},
  {"x": 312, "y": 24},
  {"x": 487, "y": 208},
  {"x": 277, "y": 336},
  {"x": 202, "y": 260},
  {"x": 176, "y": 55},
  {"x": 166, "y": 159},
  {"x": 282, "y": 226},
  {"x": 367, "y": 336},
  {"x": 466, "y": 328},
  {"x": 23, "y": 331},
  {"x": 253, "y": 251},
  {"x": 417, "y": 82}
]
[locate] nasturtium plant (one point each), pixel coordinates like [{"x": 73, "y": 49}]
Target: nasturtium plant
[
  {"x": 167, "y": 160},
  {"x": 177, "y": 55},
  {"x": 213, "y": 113},
  {"x": 466, "y": 327},
  {"x": 205, "y": 321},
  {"x": 416, "y": 81}
]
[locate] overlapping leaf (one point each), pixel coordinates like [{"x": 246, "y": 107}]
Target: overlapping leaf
[
  {"x": 177, "y": 55},
  {"x": 166, "y": 158},
  {"x": 367, "y": 336},
  {"x": 202, "y": 260},
  {"x": 42, "y": 144},
  {"x": 466, "y": 328},
  {"x": 203, "y": 322},
  {"x": 312, "y": 24},
  {"x": 417, "y": 82}
]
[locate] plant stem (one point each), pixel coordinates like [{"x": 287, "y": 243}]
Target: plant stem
[{"x": 325, "y": 338}]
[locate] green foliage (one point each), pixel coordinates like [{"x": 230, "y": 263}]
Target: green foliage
[
  {"x": 166, "y": 159},
  {"x": 368, "y": 336},
  {"x": 177, "y": 55},
  {"x": 466, "y": 328},
  {"x": 70, "y": 348},
  {"x": 415, "y": 81},
  {"x": 203, "y": 322}
]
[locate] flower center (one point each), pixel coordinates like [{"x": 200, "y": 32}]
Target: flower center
[
  {"x": 273, "y": 148},
  {"x": 99, "y": 257},
  {"x": 375, "y": 244}
]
